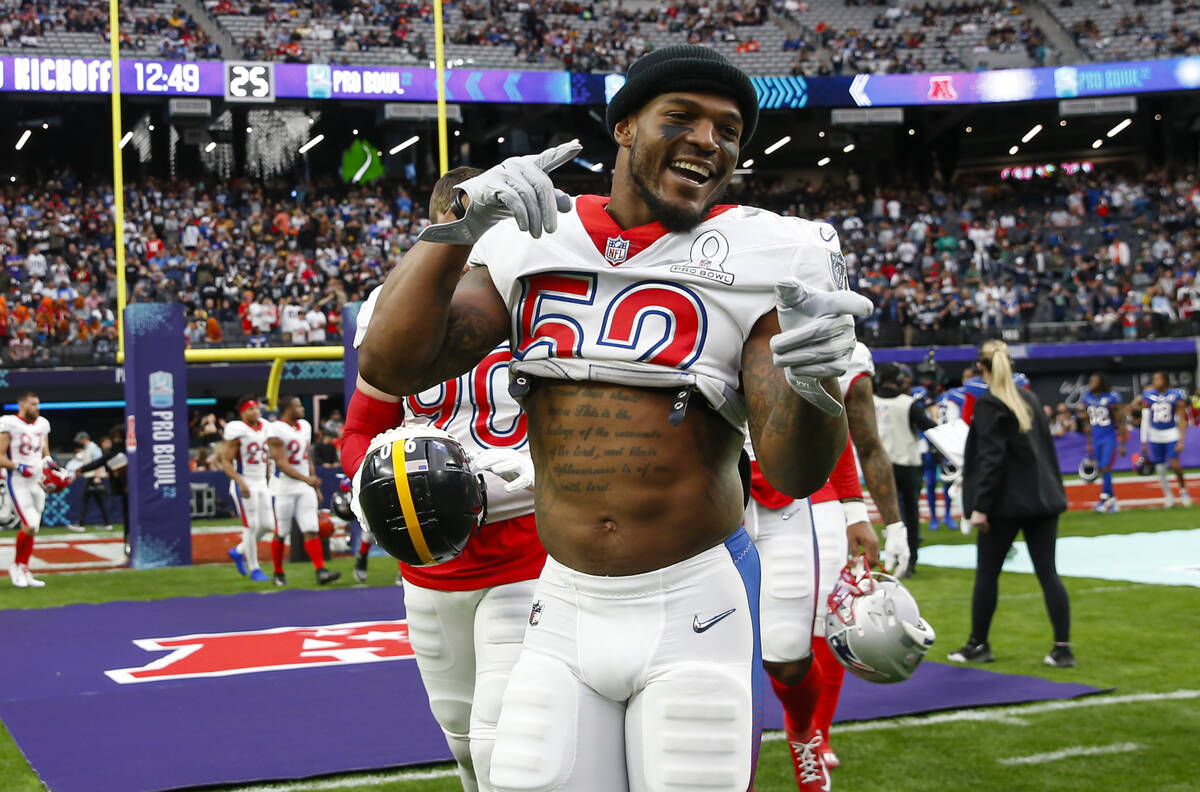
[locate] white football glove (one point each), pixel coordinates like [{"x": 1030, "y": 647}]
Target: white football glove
[
  {"x": 896, "y": 553},
  {"x": 517, "y": 188},
  {"x": 512, "y": 466},
  {"x": 816, "y": 338}
]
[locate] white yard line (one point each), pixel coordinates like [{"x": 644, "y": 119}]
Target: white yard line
[
  {"x": 1069, "y": 753},
  {"x": 354, "y": 782}
]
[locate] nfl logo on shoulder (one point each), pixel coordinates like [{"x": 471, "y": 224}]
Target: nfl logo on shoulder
[{"x": 616, "y": 250}]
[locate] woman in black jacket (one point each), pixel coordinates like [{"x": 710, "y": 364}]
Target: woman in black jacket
[{"x": 1011, "y": 483}]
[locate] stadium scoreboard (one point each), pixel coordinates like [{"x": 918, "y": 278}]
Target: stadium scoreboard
[{"x": 265, "y": 82}]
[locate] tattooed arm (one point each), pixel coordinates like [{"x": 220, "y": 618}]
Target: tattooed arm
[
  {"x": 796, "y": 444},
  {"x": 876, "y": 466},
  {"x": 432, "y": 323}
]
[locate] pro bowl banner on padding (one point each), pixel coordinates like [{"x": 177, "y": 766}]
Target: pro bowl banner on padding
[{"x": 156, "y": 436}]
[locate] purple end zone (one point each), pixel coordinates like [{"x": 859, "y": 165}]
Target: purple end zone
[
  {"x": 84, "y": 732},
  {"x": 937, "y": 686}
]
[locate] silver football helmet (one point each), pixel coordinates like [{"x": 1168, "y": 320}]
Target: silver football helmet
[
  {"x": 1088, "y": 469},
  {"x": 874, "y": 627}
]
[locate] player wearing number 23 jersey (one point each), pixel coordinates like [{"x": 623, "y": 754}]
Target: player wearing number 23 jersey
[{"x": 246, "y": 460}]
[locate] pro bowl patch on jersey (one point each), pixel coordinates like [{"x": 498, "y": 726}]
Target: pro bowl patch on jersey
[
  {"x": 616, "y": 250},
  {"x": 707, "y": 258},
  {"x": 280, "y": 648}
]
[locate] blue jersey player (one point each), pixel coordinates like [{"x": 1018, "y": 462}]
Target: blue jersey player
[
  {"x": 947, "y": 409},
  {"x": 1164, "y": 425},
  {"x": 1106, "y": 434}
]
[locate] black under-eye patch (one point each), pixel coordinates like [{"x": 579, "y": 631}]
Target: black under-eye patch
[{"x": 672, "y": 131}]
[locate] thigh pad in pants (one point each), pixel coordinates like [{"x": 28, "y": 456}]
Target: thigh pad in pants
[{"x": 787, "y": 551}]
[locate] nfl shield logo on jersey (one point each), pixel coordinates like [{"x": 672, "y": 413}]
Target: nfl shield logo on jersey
[
  {"x": 535, "y": 613},
  {"x": 616, "y": 250}
]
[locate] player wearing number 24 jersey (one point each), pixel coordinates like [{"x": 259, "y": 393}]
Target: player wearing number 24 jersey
[{"x": 295, "y": 488}]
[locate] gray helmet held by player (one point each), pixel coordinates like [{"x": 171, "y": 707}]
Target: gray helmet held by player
[
  {"x": 1088, "y": 469},
  {"x": 417, "y": 492},
  {"x": 874, "y": 627}
]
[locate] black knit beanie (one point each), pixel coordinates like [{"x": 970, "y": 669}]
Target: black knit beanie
[{"x": 684, "y": 68}]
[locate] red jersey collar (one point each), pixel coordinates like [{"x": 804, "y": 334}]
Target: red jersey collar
[{"x": 626, "y": 242}]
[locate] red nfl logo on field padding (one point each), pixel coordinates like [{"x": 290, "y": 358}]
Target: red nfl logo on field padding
[{"x": 280, "y": 648}]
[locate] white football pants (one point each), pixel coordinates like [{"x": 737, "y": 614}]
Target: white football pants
[
  {"x": 788, "y": 604},
  {"x": 641, "y": 683},
  {"x": 27, "y": 498},
  {"x": 257, "y": 511},
  {"x": 466, "y": 643},
  {"x": 300, "y": 504}
]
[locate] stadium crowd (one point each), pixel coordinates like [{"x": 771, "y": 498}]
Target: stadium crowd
[
  {"x": 148, "y": 28},
  {"x": 1080, "y": 256}
]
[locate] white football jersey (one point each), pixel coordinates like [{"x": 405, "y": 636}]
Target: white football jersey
[
  {"x": 477, "y": 409},
  {"x": 254, "y": 456},
  {"x": 647, "y": 307},
  {"x": 27, "y": 440},
  {"x": 297, "y": 441}
]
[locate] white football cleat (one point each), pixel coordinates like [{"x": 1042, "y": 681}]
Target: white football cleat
[
  {"x": 30, "y": 580},
  {"x": 17, "y": 576},
  {"x": 1113, "y": 506},
  {"x": 1185, "y": 499}
]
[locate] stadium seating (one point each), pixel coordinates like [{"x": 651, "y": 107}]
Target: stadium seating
[
  {"x": 1111, "y": 259},
  {"x": 149, "y": 29},
  {"x": 1137, "y": 30}
]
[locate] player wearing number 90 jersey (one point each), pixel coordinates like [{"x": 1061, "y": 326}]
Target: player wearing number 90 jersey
[
  {"x": 467, "y": 616},
  {"x": 245, "y": 458}
]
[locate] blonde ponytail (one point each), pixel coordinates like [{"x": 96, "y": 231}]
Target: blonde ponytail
[{"x": 996, "y": 354}]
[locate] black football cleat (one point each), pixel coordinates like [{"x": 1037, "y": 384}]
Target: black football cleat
[
  {"x": 972, "y": 653},
  {"x": 1060, "y": 657},
  {"x": 327, "y": 576},
  {"x": 280, "y": 579},
  {"x": 360, "y": 568}
]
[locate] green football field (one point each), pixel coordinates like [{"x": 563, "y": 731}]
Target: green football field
[{"x": 1137, "y": 638}]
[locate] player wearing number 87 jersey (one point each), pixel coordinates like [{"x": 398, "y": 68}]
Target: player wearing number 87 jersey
[
  {"x": 245, "y": 459},
  {"x": 466, "y": 617},
  {"x": 24, "y": 449},
  {"x": 295, "y": 488}
]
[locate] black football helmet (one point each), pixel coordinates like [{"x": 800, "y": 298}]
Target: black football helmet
[{"x": 418, "y": 494}]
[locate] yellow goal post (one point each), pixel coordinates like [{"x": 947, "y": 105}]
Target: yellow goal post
[{"x": 277, "y": 355}]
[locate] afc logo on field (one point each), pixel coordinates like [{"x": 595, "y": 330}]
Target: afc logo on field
[
  {"x": 617, "y": 250},
  {"x": 707, "y": 257}
]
